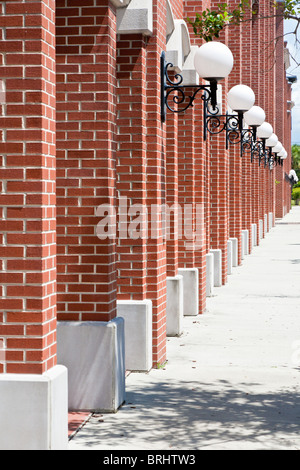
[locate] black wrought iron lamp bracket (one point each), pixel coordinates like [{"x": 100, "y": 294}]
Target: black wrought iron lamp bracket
[
  {"x": 272, "y": 159},
  {"x": 174, "y": 95},
  {"x": 232, "y": 124},
  {"x": 215, "y": 123},
  {"x": 258, "y": 151}
]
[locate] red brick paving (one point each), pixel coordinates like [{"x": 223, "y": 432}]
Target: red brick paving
[{"x": 75, "y": 420}]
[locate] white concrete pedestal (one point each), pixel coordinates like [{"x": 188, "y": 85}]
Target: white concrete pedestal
[
  {"x": 235, "y": 251},
  {"x": 137, "y": 315},
  {"x": 94, "y": 355},
  {"x": 266, "y": 223},
  {"x": 254, "y": 234},
  {"x": 34, "y": 410},
  {"x": 271, "y": 220},
  {"x": 217, "y": 253},
  {"x": 190, "y": 290},
  {"x": 245, "y": 242},
  {"x": 209, "y": 274},
  {"x": 229, "y": 257},
  {"x": 174, "y": 305},
  {"x": 261, "y": 228}
]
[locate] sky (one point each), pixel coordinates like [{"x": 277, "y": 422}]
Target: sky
[{"x": 289, "y": 26}]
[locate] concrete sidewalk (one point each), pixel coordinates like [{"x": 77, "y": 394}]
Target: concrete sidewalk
[{"x": 232, "y": 379}]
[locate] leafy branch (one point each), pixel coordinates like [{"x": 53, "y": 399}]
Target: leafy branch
[{"x": 209, "y": 24}]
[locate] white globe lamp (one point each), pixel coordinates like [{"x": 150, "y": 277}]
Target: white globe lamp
[
  {"x": 277, "y": 148},
  {"x": 272, "y": 141},
  {"x": 213, "y": 61},
  {"x": 241, "y": 98},
  {"x": 255, "y": 116},
  {"x": 264, "y": 131}
]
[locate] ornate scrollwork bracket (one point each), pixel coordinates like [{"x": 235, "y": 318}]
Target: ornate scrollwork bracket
[
  {"x": 176, "y": 97},
  {"x": 215, "y": 123}
]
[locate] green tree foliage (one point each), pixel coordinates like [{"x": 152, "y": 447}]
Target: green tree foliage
[
  {"x": 296, "y": 156},
  {"x": 296, "y": 159},
  {"x": 296, "y": 195},
  {"x": 209, "y": 24}
]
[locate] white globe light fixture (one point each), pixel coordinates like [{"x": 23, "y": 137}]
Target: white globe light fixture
[
  {"x": 213, "y": 61},
  {"x": 241, "y": 98},
  {"x": 264, "y": 131},
  {"x": 277, "y": 148},
  {"x": 281, "y": 156},
  {"x": 272, "y": 141},
  {"x": 255, "y": 117}
]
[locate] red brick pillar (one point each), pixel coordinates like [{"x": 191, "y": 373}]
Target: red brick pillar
[
  {"x": 156, "y": 139},
  {"x": 187, "y": 200},
  {"x": 86, "y": 204},
  {"x": 260, "y": 101},
  {"x": 237, "y": 184},
  {"x": 86, "y": 105},
  {"x": 186, "y": 187},
  {"x": 202, "y": 247},
  {"x": 271, "y": 103},
  {"x": 288, "y": 142},
  {"x": 256, "y": 85},
  {"x": 201, "y": 173},
  {"x": 28, "y": 274},
  {"x": 280, "y": 113},
  {"x": 249, "y": 167},
  {"x": 28, "y": 231},
  {"x": 172, "y": 181},
  {"x": 134, "y": 213},
  {"x": 287, "y": 163},
  {"x": 219, "y": 183},
  {"x": 132, "y": 165}
]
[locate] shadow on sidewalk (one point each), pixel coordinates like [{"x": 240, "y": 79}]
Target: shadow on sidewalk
[{"x": 194, "y": 415}]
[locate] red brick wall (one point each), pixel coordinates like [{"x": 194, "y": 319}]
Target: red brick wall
[
  {"x": 132, "y": 160},
  {"x": 111, "y": 143},
  {"x": 256, "y": 86},
  {"x": 200, "y": 164},
  {"x": 172, "y": 181},
  {"x": 280, "y": 117},
  {"x": 156, "y": 248},
  {"x": 237, "y": 180},
  {"x": 27, "y": 200},
  {"x": 219, "y": 181},
  {"x": 86, "y": 146},
  {"x": 248, "y": 168}
]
